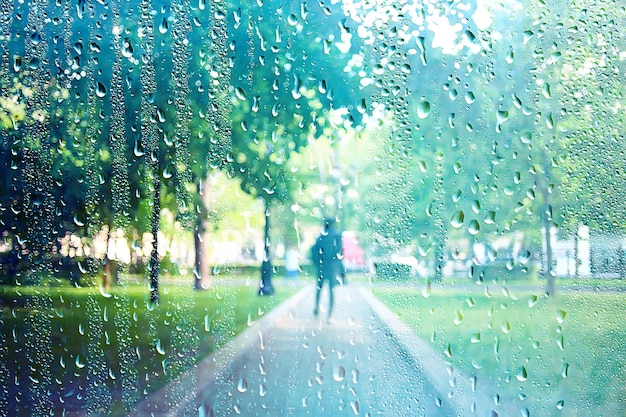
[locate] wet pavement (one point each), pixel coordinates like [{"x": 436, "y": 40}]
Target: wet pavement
[{"x": 363, "y": 362}]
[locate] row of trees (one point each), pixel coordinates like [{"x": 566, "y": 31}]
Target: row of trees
[
  {"x": 514, "y": 125},
  {"x": 109, "y": 119}
]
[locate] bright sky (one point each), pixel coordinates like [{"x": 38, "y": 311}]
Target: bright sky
[{"x": 442, "y": 21}]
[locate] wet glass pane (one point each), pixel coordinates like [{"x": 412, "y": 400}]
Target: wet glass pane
[{"x": 326, "y": 208}]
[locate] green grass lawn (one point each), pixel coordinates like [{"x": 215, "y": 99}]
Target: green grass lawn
[
  {"x": 554, "y": 356},
  {"x": 104, "y": 351}
]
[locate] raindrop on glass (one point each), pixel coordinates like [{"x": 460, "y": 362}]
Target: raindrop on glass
[
  {"x": 457, "y": 219},
  {"x": 80, "y": 361},
  {"x": 339, "y": 373},
  {"x": 242, "y": 385},
  {"x": 164, "y": 26},
  {"x": 423, "y": 109},
  {"x": 473, "y": 228},
  {"x": 101, "y": 90}
]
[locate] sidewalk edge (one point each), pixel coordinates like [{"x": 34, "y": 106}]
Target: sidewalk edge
[
  {"x": 458, "y": 390},
  {"x": 208, "y": 370}
]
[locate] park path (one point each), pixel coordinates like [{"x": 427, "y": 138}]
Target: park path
[{"x": 365, "y": 362}]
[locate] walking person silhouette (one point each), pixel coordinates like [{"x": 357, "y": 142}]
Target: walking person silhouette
[{"x": 326, "y": 254}]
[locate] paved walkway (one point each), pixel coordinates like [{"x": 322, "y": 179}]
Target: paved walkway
[{"x": 365, "y": 362}]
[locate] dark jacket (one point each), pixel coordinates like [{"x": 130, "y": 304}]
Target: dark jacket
[{"x": 327, "y": 255}]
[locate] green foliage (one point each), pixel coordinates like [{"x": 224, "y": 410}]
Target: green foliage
[
  {"x": 519, "y": 342},
  {"x": 388, "y": 271},
  {"x": 73, "y": 309}
]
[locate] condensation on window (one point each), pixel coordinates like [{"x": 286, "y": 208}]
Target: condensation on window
[{"x": 331, "y": 208}]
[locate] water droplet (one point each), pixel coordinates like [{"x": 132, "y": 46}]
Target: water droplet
[
  {"x": 355, "y": 407},
  {"x": 457, "y": 219},
  {"x": 339, "y": 373},
  {"x": 164, "y": 26},
  {"x": 160, "y": 115},
  {"x": 509, "y": 264},
  {"x": 127, "y": 48},
  {"x": 101, "y": 90},
  {"x": 80, "y": 361},
  {"x": 560, "y": 316},
  {"x": 242, "y": 385},
  {"x": 522, "y": 374},
  {"x": 448, "y": 351},
  {"x": 547, "y": 93},
  {"x": 361, "y": 106},
  {"x": 476, "y": 206},
  {"x": 138, "y": 150},
  {"x": 103, "y": 291},
  {"x": 423, "y": 109},
  {"x": 240, "y": 93},
  {"x": 35, "y": 38},
  {"x": 506, "y": 327},
  {"x": 160, "y": 347},
  {"x": 528, "y": 34},
  {"x": 474, "y": 227},
  {"x": 168, "y": 172},
  {"x": 292, "y": 19},
  {"x": 561, "y": 342},
  {"x": 427, "y": 290},
  {"x": 17, "y": 63},
  {"x": 565, "y": 370},
  {"x": 475, "y": 338},
  {"x": 470, "y": 97},
  {"x": 458, "y": 317},
  {"x": 355, "y": 376},
  {"x": 502, "y": 116},
  {"x": 79, "y": 220},
  {"x": 510, "y": 56},
  {"x": 560, "y": 404}
]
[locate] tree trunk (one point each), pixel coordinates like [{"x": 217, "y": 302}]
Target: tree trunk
[
  {"x": 201, "y": 269},
  {"x": 549, "y": 259},
  {"x": 547, "y": 217},
  {"x": 547, "y": 221},
  {"x": 107, "y": 274},
  {"x": 154, "y": 257},
  {"x": 440, "y": 258},
  {"x": 576, "y": 253},
  {"x": 266, "y": 267}
]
